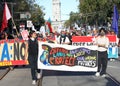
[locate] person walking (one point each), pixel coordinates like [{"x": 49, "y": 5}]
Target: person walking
[
  {"x": 102, "y": 42},
  {"x": 63, "y": 39},
  {"x": 32, "y": 49}
]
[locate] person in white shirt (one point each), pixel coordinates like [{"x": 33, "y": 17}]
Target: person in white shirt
[
  {"x": 102, "y": 42},
  {"x": 63, "y": 39}
]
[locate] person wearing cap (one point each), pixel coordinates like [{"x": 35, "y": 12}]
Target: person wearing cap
[
  {"x": 32, "y": 49},
  {"x": 102, "y": 42}
]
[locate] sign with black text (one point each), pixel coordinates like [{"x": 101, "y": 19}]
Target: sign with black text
[{"x": 67, "y": 57}]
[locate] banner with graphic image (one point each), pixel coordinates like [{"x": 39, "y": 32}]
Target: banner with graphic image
[{"x": 67, "y": 57}]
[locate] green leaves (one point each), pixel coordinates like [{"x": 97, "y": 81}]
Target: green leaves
[
  {"x": 23, "y": 6},
  {"x": 97, "y": 10}
]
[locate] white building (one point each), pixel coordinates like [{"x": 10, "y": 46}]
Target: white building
[{"x": 56, "y": 13}]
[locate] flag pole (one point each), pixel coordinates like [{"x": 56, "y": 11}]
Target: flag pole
[
  {"x": 14, "y": 27},
  {"x": 6, "y": 17}
]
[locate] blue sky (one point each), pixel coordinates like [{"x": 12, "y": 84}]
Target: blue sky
[{"x": 66, "y": 7}]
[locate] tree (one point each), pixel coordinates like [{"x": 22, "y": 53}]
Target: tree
[
  {"x": 37, "y": 16},
  {"x": 74, "y": 18},
  {"x": 22, "y": 6},
  {"x": 97, "y": 11}
]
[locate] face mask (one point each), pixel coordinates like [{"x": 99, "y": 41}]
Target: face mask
[{"x": 102, "y": 33}]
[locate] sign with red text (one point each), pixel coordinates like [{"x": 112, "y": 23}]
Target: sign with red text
[
  {"x": 67, "y": 57},
  {"x": 89, "y": 41}
]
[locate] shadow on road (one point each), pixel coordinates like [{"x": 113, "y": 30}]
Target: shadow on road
[
  {"x": 65, "y": 73},
  {"x": 111, "y": 82}
]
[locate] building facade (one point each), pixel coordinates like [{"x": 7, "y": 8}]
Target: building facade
[{"x": 56, "y": 14}]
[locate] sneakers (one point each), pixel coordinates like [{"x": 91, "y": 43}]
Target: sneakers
[
  {"x": 112, "y": 59},
  {"x": 97, "y": 74},
  {"x": 39, "y": 75},
  {"x": 104, "y": 75},
  {"x": 34, "y": 82}
]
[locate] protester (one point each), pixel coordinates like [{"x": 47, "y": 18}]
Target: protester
[
  {"x": 102, "y": 42},
  {"x": 95, "y": 32},
  {"x": 3, "y": 36},
  {"x": 32, "y": 48},
  {"x": 70, "y": 37},
  {"x": 63, "y": 39}
]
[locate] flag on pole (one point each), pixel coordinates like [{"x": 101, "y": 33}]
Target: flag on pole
[
  {"x": 48, "y": 23},
  {"x": 115, "y": 20},
  {"x": 6, "y": 17}
]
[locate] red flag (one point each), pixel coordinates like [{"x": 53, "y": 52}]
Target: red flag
[
  {"x": 49, "y": 25},
  {"x": 6, "y": 17}
]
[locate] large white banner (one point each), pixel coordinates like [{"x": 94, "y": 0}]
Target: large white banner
[{"x": 67, "y": 57}]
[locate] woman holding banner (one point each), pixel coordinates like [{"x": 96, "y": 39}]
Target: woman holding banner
[
  {"x": 32, "y": 49},
  {"x": 102, "y": 42}
]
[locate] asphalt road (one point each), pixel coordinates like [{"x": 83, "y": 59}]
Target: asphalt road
[{"x": 22, "y": 77}]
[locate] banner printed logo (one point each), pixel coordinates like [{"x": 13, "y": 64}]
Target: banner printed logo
[{"x": 61, "y": 56}]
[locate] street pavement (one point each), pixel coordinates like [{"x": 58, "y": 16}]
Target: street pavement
[
  {"x": 22, "y": 77},
  {"x": 114, "y": 69},
  {"x": 3, "y": 72}
]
